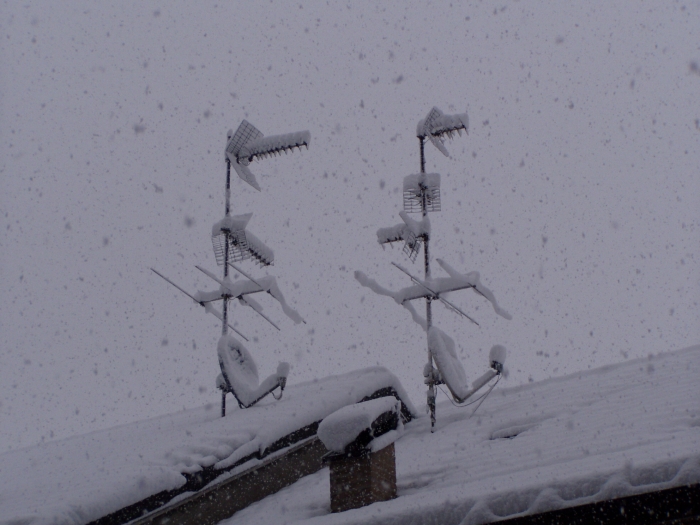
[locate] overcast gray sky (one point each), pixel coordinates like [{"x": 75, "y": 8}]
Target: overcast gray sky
[{"x": 576, "y": 193}]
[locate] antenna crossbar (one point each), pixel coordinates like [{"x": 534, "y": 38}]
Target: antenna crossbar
[
  {"x": 244, "y": 274},
  {"x": 201, "y": 303},
  {"x": 240, "y": 296},
  {"x": 435, "y": 295},
  {"x": 244, "y": 301}
]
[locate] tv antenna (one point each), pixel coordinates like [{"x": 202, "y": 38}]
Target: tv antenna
[
  {"x": 232, "y": 243},
  {"x": 421, "y": 194}
]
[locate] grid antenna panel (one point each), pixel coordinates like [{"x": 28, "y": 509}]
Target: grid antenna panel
[
  {"x": 432, "y": 118},
  {"x": 237, "y": 247},
  {"x": 413, "y": 201},
  {"x": 244, "y": 134},
  {"x": 412, "y": 246}
]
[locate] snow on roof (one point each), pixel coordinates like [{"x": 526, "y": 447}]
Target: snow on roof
[
  {"x": 341, "y": 428},
  {"x": 610, "y": 432},
  {"x": 82, "y": 478}
]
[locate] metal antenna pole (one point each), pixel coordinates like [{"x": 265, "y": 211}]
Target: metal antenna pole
[
  {"x": 224, "y": 324},
  {"x": 428, "y": 300},
  {"x": 225, "y": 297}
]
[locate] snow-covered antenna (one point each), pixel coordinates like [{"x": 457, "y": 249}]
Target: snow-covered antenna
[
  {"x": 205, "y": 304},
  {"x": 426, "y": 190},
  {"x": 421, "y": 194},
  {"x": 233, "y": 242},
  {"x": 230, "y": 240},
  {"x": 435, "y": 294},
  {"x": 248, "y": 144},
  {"x": 436, "y": 126},
  {"x": 240, "y": 296},
  {"x": 242, "y": 244}
]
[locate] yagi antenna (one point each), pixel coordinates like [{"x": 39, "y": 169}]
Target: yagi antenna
[
  {"x": 421, "y": 194},
  {"x": 256, "y": 308},
  {"x": 436, "y": 126},
  {"x": 250, "y": 278},
  {"x": 244, "y": 274},
  {"x": 201, "y": 303},
  {"x": 436, "y": 295},
  {"x": 233, "y": 242},
  {"x": 248, "y": 144},
  {"x": 240, "y": 297}
]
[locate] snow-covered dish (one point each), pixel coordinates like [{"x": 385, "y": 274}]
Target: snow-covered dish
[
  {"x": 442, "y": 348},
  {"x": 239, "y": 374}
]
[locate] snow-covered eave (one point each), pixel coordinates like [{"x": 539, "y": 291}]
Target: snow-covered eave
[
  {"x": 569, "y": 449},
  {"x": 120, "y": 467}
]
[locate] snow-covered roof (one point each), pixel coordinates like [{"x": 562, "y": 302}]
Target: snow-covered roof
[
  {"x": 619, "y": 430},
  {"x": 622, "y": 429},
  {"x": 83, "y": 478}
]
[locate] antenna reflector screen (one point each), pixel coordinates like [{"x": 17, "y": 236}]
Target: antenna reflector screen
[
  {"x": 415, "y": 187},
  {"x": 237, "y": 247},
  {"x": 245, "y": 133}
]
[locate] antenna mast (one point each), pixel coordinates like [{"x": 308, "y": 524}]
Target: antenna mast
[
  {"x": 225, "y": 296},
  {"x": 232, "y": 242},
  {"x": 421, "y": 194},
  {"x": 428, "y": 299}
]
